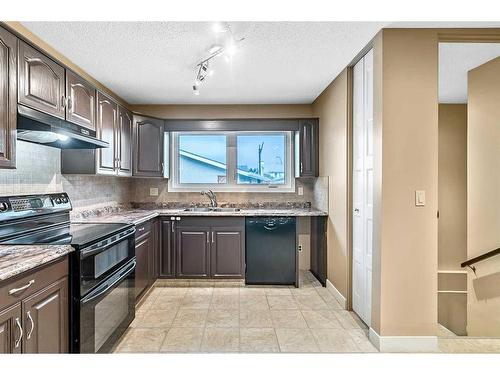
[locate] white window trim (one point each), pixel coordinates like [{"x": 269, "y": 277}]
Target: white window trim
[{"x": 232, "y": 185}]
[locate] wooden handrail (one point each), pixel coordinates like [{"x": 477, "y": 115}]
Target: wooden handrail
[{"x": 469, "y": 263}]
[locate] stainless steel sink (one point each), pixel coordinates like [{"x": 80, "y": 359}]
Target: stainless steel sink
[{"x": 211, "y": 209}]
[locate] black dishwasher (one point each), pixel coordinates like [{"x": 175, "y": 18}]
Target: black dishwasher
[{"x": 271, "y": 251}]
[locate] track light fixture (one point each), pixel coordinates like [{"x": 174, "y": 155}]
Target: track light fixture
[{"x": 228, "y": 49}]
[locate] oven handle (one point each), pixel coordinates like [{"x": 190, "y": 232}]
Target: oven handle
[
  {"x": 86, "y": 253},
  {"x": 99, "y": 293}
]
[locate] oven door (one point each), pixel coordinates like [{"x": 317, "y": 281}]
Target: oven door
[
  {"x": 100, "y": 260},
  {"x": 107, "y": 311}
]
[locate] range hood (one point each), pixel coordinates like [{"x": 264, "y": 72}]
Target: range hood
[{"x": 38, "y": 127}]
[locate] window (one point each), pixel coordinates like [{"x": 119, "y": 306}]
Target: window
[
  {"x": 202, "y": 159},
  {"x": 232, "y": 161},
  {"x": 261, "y": 158}
]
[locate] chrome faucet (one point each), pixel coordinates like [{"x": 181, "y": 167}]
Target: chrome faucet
[{"x": 213, "y": 198}]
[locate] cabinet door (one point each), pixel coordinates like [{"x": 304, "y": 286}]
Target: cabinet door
[
  {"x": 41, "y": 81},
  {"x": 309, "y": 148},
  {"x": 227, "y": 257},
  {"x": 11, "y": 330},
  {"x": 167, "y": 254},
  {"x": 8, "y": 93},
  {"x": 142, "y": 252},
  {"x": 107, "y": 114},
  {"x": 124, "y": 141},
  {"x": 45, "y": 319},
  {"x": 192, "y": 247},
  {"x": 148, "y": 147},
  {"x": 81, "y": 95}
]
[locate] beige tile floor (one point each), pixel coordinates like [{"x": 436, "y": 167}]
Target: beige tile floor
[
  {"x": 244, "y": 319},
  {"x": 259, "y": 320}
]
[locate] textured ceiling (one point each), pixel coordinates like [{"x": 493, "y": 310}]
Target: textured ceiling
[
  {"x": 278, "y": 62},
  {"x": 154, "y": 62},
  {"x": 455, "y": 60}
]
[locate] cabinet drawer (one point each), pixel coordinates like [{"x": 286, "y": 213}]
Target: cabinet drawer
[
  {"x": 142, "y": 229},
  {"x": 30, "y": 282}
]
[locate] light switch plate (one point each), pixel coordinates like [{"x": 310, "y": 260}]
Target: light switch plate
[
  {"x": 300, "y": 190},
  {"x": 419, "y": 198},
  {"x": 153, "y": 192}
]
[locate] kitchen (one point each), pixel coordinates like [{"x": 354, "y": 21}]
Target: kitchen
[{"x": 126, "y": 229}]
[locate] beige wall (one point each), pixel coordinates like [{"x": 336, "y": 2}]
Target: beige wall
[
  {"x": 406, "y": 159},
  {"x": 225, "y": 111},
  {"x": 23, "y": 31},
  {"x": 452, "y": 227},
  {"x": 483, "y": 199},
  {"x": 452, "y": 223},
  {"x": 332, "y": 109}
]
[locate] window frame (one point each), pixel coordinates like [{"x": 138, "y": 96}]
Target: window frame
[{"x": 232, "y": 184}]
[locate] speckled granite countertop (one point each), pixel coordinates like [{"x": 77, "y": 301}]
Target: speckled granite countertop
[
  {"x": 16, "y": 259},
  {"x": 137, "y": 216}
]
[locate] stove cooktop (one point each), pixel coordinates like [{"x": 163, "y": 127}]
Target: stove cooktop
[{"x": 74, "y": 234}]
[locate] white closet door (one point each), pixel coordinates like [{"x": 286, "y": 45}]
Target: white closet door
[{"x": 362, "y": 194}]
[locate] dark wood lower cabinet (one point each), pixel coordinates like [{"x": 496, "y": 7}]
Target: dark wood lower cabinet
[
  {"x": 34, "y": 315},
  {"x": 318, "y": 248},
  {"x": 192, "y": 251},
  {"x": 202, "y": 247},
  {"x": 46, "y": 319},
  {"x": 10, "y": 330},
  {"x": 226, "y": 252},
  {"x": 167, "y": 254},
  {"x": 146, "y": 254}
]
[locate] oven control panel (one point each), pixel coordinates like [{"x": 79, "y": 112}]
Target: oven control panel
[{"x": 47, "y": 203}]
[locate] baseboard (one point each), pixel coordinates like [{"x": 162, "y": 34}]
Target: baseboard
[
  {"x": 338, "y": 296},
  {"x": 403, "y": 344}
]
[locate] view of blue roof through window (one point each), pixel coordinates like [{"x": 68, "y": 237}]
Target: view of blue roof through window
[
  {"x": 202, "y": 159},
  {"x": 261, "y": 158}
]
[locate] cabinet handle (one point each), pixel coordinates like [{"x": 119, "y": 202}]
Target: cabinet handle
[
  {"x": 63, "y": 101},
  {"x": 69, "y": 103},
  {"x": 141, "y": 229},
  {"x": 213, "y": 237},
  {"x": 301, "y": 169},
  {"x": 208, "y": 240},
  {"x": 172, "y": 225},
  {"x": 18, "y": 341},
  {"x": 22, "y": 288},
  {"x": 32, "y": 325}
]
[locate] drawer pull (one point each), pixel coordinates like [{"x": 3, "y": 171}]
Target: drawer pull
[
  {"x": 18, "y": 340},
  {"x": 21, "y": 288},
  {"x": 32, "y": 325},
  {"x": 141, "y": 229}
]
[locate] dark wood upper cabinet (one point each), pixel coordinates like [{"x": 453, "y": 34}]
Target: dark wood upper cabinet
[
  {"x": 11, "y": 330},
  {"x": 124, "y": 141},
  {"x": 167, "y": 253},
  {"x": 107, "y": 116},
  {"x": 80, "y": 108},
  {"x": 308, "y": 148},
  {"x": 46, "y": 320},
  {"x": 41, "y": 82},
  {"x": 148, "y": 147},
  {"x": 192, "y": 251},
  {"x": 8, "y": 94},
  {"x": 227, "y": 257}
]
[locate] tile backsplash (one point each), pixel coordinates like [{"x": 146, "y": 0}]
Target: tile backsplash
[{"x": 39, "y": 171}]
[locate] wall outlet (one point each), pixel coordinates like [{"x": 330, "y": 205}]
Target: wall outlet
[
  {"x": 300, "y": 190},
  {"x": 153, "y": 192},
  {"x": 300, "y": 248}
]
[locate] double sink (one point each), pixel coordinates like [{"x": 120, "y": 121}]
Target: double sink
[{"x": 212, "y": 209}]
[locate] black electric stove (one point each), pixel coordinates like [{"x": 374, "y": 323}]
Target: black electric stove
[{"x": 102, "y": 300}]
